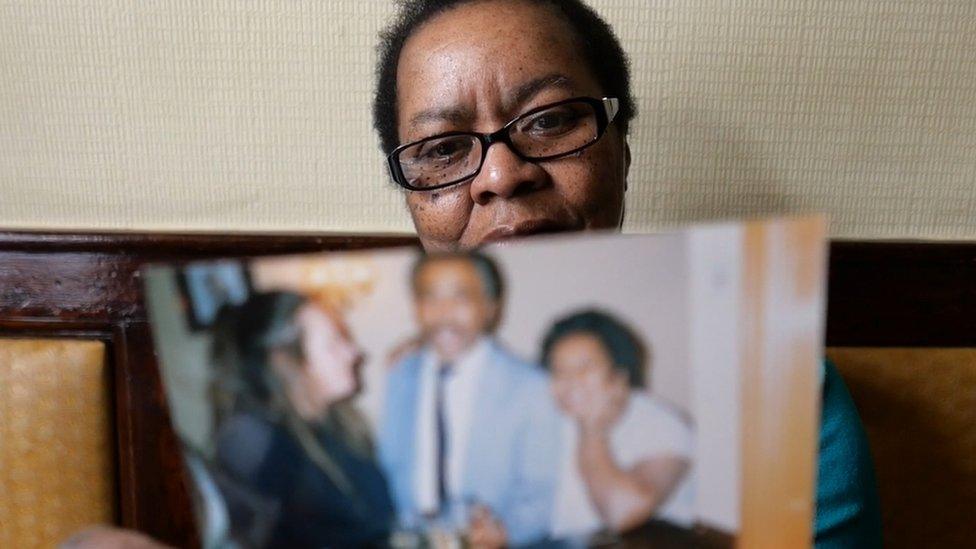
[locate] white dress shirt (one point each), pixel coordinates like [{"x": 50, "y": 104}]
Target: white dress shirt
[
  {"x": 460, "y": 390},
  {"x": 648, "y": 428}
]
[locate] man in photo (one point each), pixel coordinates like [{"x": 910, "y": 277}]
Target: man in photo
[
  {"x": 626, "y": 454},
  {"x": 468, "y": 436}
]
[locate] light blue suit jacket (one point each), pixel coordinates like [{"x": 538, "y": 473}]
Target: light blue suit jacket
[{"x": 513, "y": 444}]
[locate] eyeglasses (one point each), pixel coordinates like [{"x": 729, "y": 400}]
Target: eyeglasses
[{"x": 546, "y": 133}]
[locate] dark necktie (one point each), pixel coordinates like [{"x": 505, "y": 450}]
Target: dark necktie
[{"x": 443, "y": 375}]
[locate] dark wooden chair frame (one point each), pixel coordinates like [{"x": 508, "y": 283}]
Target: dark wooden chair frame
[{"x": 84, "y": 285}]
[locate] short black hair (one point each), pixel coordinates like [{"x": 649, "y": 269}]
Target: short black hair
[
  {"x": 597, "y": 42},
  {"x": 491, "y": 276},
  {"x": 626, "y": 349}
]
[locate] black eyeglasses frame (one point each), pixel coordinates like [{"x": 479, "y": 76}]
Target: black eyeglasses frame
[{"x": 605, "y": 110}]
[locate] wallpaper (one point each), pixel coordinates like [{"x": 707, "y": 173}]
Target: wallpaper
[{"x": 236, "y": 115}]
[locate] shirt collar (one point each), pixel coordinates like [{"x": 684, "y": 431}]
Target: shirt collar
[{"x": 468, "y": 363}]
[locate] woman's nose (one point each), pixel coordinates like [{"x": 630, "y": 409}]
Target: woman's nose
[{"x": 505, "y": 175}]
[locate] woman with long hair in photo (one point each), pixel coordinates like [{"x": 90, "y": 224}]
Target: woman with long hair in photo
[{"x": 297, "y": 453}]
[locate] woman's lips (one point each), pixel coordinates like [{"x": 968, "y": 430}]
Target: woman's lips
[{"x": 526, "y": 228}]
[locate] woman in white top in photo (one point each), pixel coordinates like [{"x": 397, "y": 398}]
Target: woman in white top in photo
[{"x": 626, "y": 454}]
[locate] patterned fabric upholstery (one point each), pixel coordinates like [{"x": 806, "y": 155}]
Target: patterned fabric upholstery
[
  {"x": 919, "y": 410},
  {"x": 57, "y": 456}
]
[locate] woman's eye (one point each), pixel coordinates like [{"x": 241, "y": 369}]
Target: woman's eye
[
  {"x": 552, "y": 122},
  {"x": 549, "y": 121},
  {"x": 443, "y": 151}
]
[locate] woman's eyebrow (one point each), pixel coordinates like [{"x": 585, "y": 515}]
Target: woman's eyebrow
[
  {"x": 528, "y": 90},
  {"x": 456, "y": 115}
]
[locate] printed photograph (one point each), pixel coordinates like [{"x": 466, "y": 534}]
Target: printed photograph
[{"x": 568, "y": 392}]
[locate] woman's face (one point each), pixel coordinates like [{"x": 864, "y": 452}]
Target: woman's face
[
  {"x": 330, "y": 371},
  {"x": 474, "y": 68},
  {"x": 579, "y": 364}
]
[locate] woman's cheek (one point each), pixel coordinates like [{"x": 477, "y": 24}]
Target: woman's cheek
[
  {"x": 579, "y": 400},
  {"x": 599, "y": 196},
  {"x": 440, "y": 215},
  {"x": 560, "y": 391},
  {"x": 344, "y": 374}
]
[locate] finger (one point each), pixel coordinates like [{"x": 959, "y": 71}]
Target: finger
[
  {"x": 478, "y": 519},
  {"x": 494, "y": 535},
  {"x": 479, "y": 535},
  {"x": 475, "y": 534}
]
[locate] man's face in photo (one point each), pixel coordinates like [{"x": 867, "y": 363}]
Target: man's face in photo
[{"x": 452, "y": 306}]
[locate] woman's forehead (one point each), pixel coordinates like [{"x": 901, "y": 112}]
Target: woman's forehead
[
  {"x": 486, "y": 49},
  {"x": 452, "y": 107},
  {"x": 315, "y": 317}
]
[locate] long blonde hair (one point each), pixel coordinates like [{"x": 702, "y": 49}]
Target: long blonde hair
[{"x": 244, "y": 337}]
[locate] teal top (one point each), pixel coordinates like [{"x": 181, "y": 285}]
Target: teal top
[{"x": 847, "y": 500}]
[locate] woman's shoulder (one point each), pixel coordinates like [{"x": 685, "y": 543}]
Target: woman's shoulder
[
  {"x": 645, "y": 407},
  {"x": 847, "y": 500},
  {"x": 244, "y": 441},
  {"x": 653, "y": 426}
]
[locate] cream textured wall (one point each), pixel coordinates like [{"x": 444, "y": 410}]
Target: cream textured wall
[{"x": 253, "y": 115}]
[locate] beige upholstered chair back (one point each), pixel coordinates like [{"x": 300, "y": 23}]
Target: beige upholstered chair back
[
  {"x": 57, "y": 456},
  {"x": 919, "y": 409}
]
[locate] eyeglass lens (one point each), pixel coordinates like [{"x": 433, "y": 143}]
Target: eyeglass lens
[{"x": 549, "y": 133}]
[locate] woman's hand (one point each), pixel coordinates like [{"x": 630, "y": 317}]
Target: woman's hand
[
  {"x": 484, "y": 530},
  {"x": 105, "y": 537}
]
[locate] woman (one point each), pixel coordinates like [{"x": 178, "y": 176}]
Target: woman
[
  {"x": 293, "y": 458},
  {"x": 626, "y": 453},
  {"x": 476, "y": 65},
  {"x": 498, "y": 72}
]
